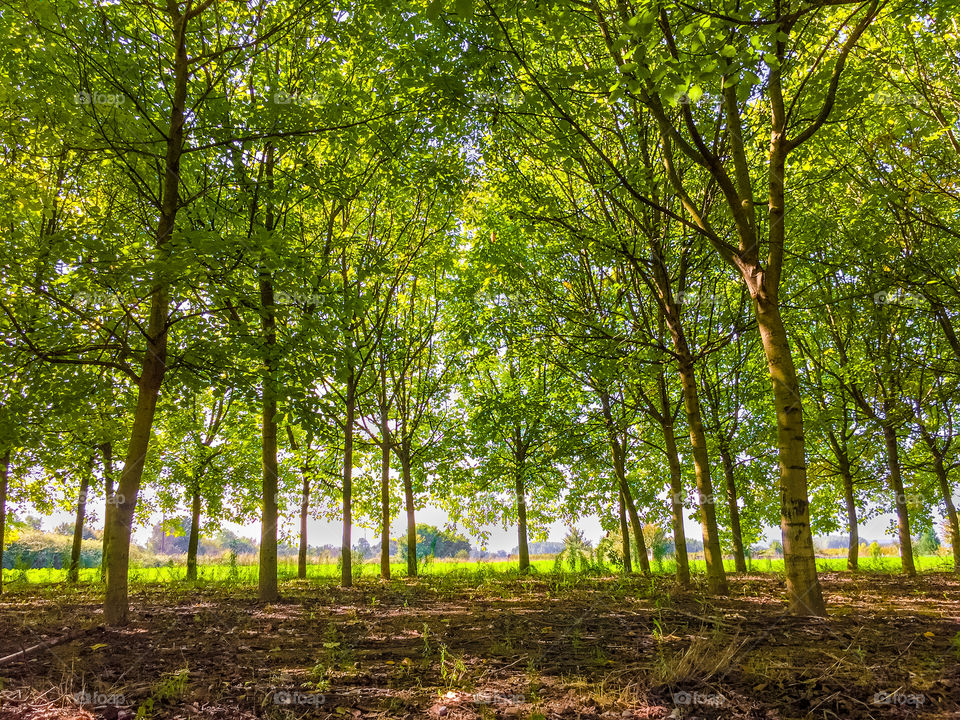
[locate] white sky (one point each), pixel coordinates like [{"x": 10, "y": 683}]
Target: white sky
[{"x": 324, "y": 532}]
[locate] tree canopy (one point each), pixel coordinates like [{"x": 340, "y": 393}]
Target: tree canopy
[{"x": 524, "y": 261}]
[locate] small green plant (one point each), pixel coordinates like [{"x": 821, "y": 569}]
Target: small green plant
[
  {"x": 426, "y": 640},
  {"x": 657, "y": 628},
  {"x": 453, "y": 670},
  {"x": 233, "y": 570},
  {"x": 659, "y": 544},
  {"x": 318, "y": 675},
  {"x": 533, "y": 682},
  {"x": 334, "y": 651},
  {"x": 170, "y": 687}
]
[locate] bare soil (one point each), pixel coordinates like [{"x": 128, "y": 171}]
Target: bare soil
[{"x": 458, "y": 648}]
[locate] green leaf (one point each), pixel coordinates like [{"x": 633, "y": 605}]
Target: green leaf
[{"x": 435, "y": 10}]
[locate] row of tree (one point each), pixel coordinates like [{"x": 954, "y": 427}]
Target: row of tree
[{"x": 523, "y": 261}]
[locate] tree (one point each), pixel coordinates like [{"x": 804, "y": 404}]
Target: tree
[
  {"x": 927, "y": 543},
  {"x": 434, "y": 542},
  {"x": 515, "y": 443},
  {"x": 155, "y": 182}
]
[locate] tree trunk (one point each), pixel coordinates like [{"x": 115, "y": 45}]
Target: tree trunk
[
  {"x": 4, "y": 474},
  {"x": 853, "y": 544},
  {"x": 73, "y": 573},
  {"x": 106, "y": 450},
  {"x": 676, "y": 505},
  {"x": 411, "y": 512},
  {"x": 618, "y": 454},
  {"x": 267, "y": 585},
  {"x": 624, "y": 534},
  {"x": 115, "y": 607},
  {"x": 193, "y": 543},
  {"x": 346, "y": 564},
  {"x": 951, "y": 510},
  {"x": 947, "y": 326},
  {"x": 522, "y": 520},
  {"x": 740, "y": 561},
  {"x": 637, "y": 527},
  {"x": 803, "y": 586},
  {"x": 716, "y": 576},
  {"x": 384, "y": 479},
  {"x": 896, "y": 484},
  {"x": 304, "y": 510},
  {"x": 304, "y": 505}
]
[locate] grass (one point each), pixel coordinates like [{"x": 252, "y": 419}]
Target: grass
[
  {"x": 330, "y": 572},
  {"x": 248, "y": 574}
]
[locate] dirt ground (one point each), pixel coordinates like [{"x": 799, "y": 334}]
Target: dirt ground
[{"x": 457, "y": 648}]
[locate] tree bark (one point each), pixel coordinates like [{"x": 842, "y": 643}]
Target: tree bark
[
  {"x": 384, "y": 479},
  {"x": 193, "y": 543},
  {"x": 676, "y": 476},
  {"x": 676, "y": 505},
  {"x": 404, "y": 454},
  {"x": 73, "y": 573},
  {"x": 853, "y": 544},
  {"x": 951, "y": 510},
  {"x": 716, "y": 575},
  {"x": 4, "y": 475},
  {"x": 624, "y": 534},
  {"x": 896, "y": 484},
  {"x": 947, "y": 326},
  {"x": 618, "y": 454},
  {"x": 637, "y": 527},
  {"x": 106, "y": 451},
  {"x": 740, "y": 561},
  {"x": 803, "y": 585},
  {"x": 267, "y": 584},
  {"x": 115, "y": 607},
  {"x": 521, "y": 492},
  {"x": 304, "y": 505},
  {"x": 346, "y": 564},
  {"x": 304, "y": 511}
]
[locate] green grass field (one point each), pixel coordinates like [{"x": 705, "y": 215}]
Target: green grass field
[{"x": 330, "y": 572}]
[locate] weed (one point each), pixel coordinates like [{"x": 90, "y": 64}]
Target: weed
[
  {"x": 453, "y": 670},
  {"x": 703, "y": 658},
  {"x": 426, "y": 640},
  {"x": 170, "y": 687}
]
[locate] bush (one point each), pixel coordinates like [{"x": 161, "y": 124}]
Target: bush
[
  {"x": 577, "y": 552},
  {"x": 34, "y": 549}
]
